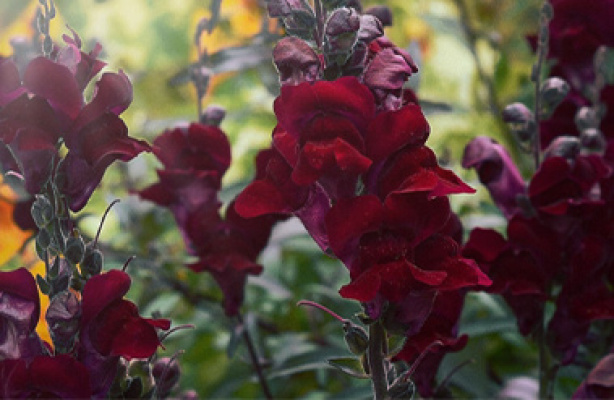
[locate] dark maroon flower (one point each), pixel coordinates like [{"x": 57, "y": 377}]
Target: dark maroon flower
[
  {"x": 496, "y": 171},
  {"x": 576, "y": 31},
  {"x": 392, "y": 248},
  {"x": 198, "y": 147},
  {"x": 328, "y": 121},
  {"x": 111, "y": 327},
  {"x": 10, "y": 82},
  {"x": 228, "y": 249},
  {"x": 274, "y": 192},
  {"x": 60, "y": 376},
  {"x": 53, "y": 107},
  {"x": 19, "y": 314},
  {"x": 560, "y": 187},
  {"x": 441, "y": 326},
  {"x": 112, "y": 323}
]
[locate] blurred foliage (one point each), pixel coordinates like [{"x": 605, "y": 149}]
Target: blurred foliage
[{"x": 474, "y": 59}]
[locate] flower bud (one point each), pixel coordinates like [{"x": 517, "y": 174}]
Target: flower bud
[
  {"x": 382, "y": 13},
  {"x": 593, "y": 140},
  {"x": 42, "y": 211},
  {"x": 75, "y": 249},
  {"x": 552, "y": 92},
  {"x": 586, "y": 118},
  {"x": 521, "y": 121},
  {"x": 370, "y": 28},
  {"x": 213, "y": 115},
  {"x": 166, "y": 374},
  {"x": 140, "y": 372},
  {"x": 356, "y": 338},
  {"x": 43, "y": 239},
  {"x": 296, "y": 61},
  {"x": 341, "y": 31},
  {"x": 563, "y": 146},
  {"x": 402, "y": 390},
  {"x": 92, "y": 261},
  {"x": 62, "y": 318}
]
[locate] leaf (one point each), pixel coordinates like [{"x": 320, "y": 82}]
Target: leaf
[
  {"x": 235, "y": 339},
  {"x": 350, "y": 366},
  {"x": 396, "y": 344}
]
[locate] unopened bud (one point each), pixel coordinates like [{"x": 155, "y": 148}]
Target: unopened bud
[
  {"x": 402, "y": 390},
  {"x": 587, "y": 118},
  {"x": 43, "y": 239},
  {"x": 63, "y": 320},
  {"x": 356, "y": 338},
  {"x": 140, "y": 370},
  {"x": 342, "y": 30},
  {"x": 166, "y": 374},
  {"x": 552, "y": 93},
  {"x": 593, "y": 140},
  {"x": 213, "y": 115},
  {"x": 521, "y": 121},
  {"x": 92, "y": 261},
  {"x": 382, "y": 13},
  {"x": 563, "y": 146},
  {"x": 42, "y": 211},
  {"x": 75, "y": 249},
  {"x": 296, "y": 61},
  {"x": 370, "y": 28}
]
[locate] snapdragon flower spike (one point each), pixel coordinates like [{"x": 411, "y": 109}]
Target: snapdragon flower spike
[{"x": 48, "y": 106}]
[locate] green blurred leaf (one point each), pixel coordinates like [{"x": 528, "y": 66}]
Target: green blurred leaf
[{"x": 350, "y": 366}]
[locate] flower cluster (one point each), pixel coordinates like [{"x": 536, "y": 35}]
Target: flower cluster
[
  {"x": 91, "y": 334},
  {"x": 43, "y": 107},
  {"x": 195, "y": 158},
  {"x": 349, "y": 159},
  {"x": 558, "y": 244}
]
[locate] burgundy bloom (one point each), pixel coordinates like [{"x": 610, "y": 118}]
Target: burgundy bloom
[
  {"x": 19, "y": 314},
  {"x": 393, "y": 248},
  {"x": 576, "y": 31},
  {"x": 228, "y": 249},
  {"x": 198, "y": 147},
  {"x": 52, "y": 106},
  {"x": 441, "y": 326},
  {"x": 328, "y": 121},
  {"x": 111, "y": 327},
  {"x": 496, "y": 171},
  {"x": 60, "y": 376},
  {"x": 274, "y": 192}
]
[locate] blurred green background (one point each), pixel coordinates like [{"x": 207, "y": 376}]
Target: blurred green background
[{"x": 473, "y": 58}]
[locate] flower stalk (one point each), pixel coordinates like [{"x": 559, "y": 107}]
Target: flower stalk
[{"x": 375, "y": 354}]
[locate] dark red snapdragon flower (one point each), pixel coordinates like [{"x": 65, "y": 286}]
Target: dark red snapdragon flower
[
  {"x": 111, "y": 327},
  {"x": 59, "y": 376},
  {"x": 496, "y": 171},
  {"x": 195, "y": 159},
  {"x": 599, "y": 384},
  {"x": 19, "y": 315},
  {"x": 46, "y": 106},
  {"x": 576, "y": 31}
]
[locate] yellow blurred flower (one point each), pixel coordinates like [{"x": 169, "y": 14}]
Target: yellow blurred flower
[{"x": 11, "y": 236}]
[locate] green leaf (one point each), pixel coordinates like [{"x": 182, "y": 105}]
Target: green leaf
[
  {"x": 350, "y": 366},
  {"x": 395, "y": 344}
]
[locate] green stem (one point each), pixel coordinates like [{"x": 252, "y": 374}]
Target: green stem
[
  {"x": 377, "y": 336},
  {"x": 548, "y": 368},
  {"x": 255, "y": 360}
]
